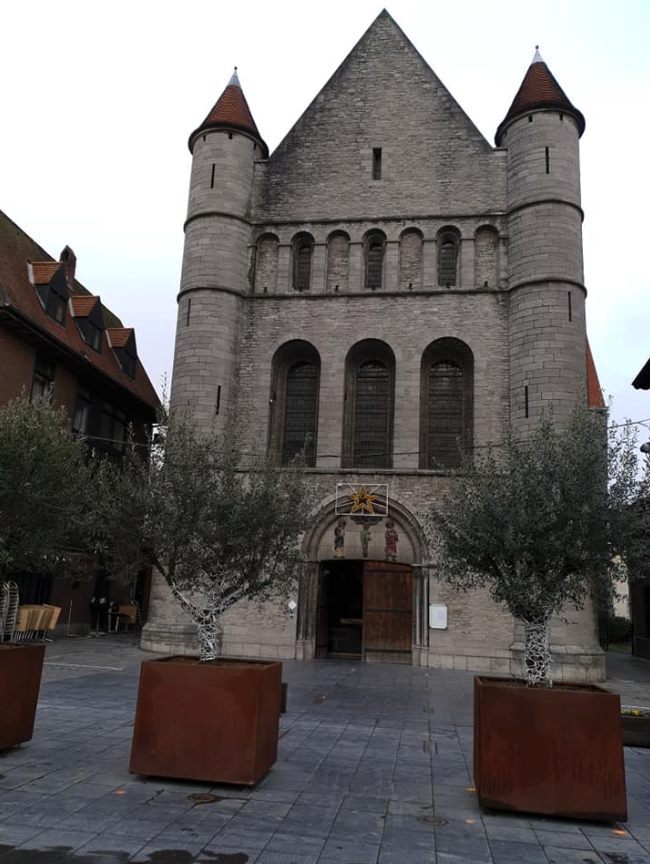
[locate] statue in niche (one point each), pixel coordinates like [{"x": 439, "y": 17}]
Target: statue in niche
[
  {"x": 365, "y": 538},
  {"x": 392, "y": 539},
  {"x": 339, "y": 539}
]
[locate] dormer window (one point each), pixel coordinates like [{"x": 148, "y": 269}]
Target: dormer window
[
  {"x": 52, "y": 288},
  {"x": 122, "y": 341},
  {"x": 87, "y": 311}
]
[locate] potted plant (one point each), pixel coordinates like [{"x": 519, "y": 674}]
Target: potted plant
[
  {"x": 220, "y": 529},
  {"x": 635, "y": 726},
  {"x": 44, "y": 483},
  {"x": 538, "y": 522}
]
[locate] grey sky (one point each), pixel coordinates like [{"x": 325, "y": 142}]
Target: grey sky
[{"x": 98, "y": 101}]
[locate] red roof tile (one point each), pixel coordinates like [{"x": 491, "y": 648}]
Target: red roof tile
[
  {"x": 231, "y": 111},
  {"x": 83, "y": 306},
  {"x": 539, "y": 89},
  {"x": 19, "y": 298},
  {"x": 594, "y": 390},
  {"x": 44, "y": 270},
  {"x": 118, "y": 337}
]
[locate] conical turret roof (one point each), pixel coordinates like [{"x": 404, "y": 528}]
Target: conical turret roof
[
  {"x": 231, "y": 111},
  {"x": 539, "y": 89}
]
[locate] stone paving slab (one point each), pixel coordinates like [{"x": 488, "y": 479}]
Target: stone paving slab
[{"x": 374, "y": 767}]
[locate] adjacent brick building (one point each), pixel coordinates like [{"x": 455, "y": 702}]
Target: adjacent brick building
[
  {"x": 392, "y": 288},
  {"x": 56, "y": 337}
]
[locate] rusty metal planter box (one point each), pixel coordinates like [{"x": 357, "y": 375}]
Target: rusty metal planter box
[
  {"x": 21, "y": 667},
  {"x": 635, "y": 731},
  {"x": 556, "y": 751},
  {"x": 215, "y": 721}
]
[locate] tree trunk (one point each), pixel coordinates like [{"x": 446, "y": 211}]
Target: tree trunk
[
  {"x": 537, "y": 653},
  {"x": 208, "y": 635}
]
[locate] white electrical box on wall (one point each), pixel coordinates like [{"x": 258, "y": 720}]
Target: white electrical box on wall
[{"x": 437, "y": 616}]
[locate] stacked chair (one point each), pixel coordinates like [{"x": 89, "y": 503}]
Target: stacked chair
[{"x": 27, "y": 623}]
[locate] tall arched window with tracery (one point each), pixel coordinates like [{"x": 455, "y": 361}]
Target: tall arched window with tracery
[
  {"x": 448, "y": 249},
  {"x": 294, "y": 401},
  {"x": 303, "y": 248},
  {"x": 369, "y": 405},
  {"x": 446, "y": 404}
]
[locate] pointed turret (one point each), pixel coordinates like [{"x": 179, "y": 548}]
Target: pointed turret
[
  {"x": 231, "y": 111},
  {"x": 539, "y": 91}
]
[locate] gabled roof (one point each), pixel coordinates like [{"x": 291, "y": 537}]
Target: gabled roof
[
  {"x": 539, "y": 90},
  {"x": 119, "y": 337},
  {"x": 44, "y": 270},
  {"x": 83, "y": 306},
  {"x": 231, "y": 111},
  {"x": 594, "y": 390},
  {"x": 19, "y": 301}
]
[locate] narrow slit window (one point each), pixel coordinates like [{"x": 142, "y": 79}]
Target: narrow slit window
[
  {"x": 376, "y": 163},
  {"x": 212, "y": 178},
  {"x": 189, "y": 311},
  {"x": 526, "y": 400},
  {"x": 548, "y": 160},
  {"x": 217, "y": 404},
  {"x": 570, "y": 309}
]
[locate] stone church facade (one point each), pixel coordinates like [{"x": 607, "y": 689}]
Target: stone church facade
[{"x": 392, "y": 288}]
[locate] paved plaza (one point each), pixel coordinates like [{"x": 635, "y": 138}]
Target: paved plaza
[{"x": 374, "y": 765}]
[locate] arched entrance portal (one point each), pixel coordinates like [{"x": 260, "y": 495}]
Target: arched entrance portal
[
  {"x": 365, "y": 611},
  {"x": 363, "y": 595}
]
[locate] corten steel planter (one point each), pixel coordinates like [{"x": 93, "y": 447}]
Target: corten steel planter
[
  {"x": 21, "y": 667},
  {"x": 215, "y": 721},
  {"x": 553, "y": 751},
  {"x": 635, "y": 730}
]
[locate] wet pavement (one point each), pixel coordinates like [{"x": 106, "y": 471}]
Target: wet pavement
[{"x": 374, "y": 767}]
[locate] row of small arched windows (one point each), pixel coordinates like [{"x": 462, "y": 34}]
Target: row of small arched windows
[
  {"x": 374, "y": 249},
  {"x": 446, "y": 404}
]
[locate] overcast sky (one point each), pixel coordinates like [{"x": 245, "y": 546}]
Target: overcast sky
[{"x": 98, "y": 100}]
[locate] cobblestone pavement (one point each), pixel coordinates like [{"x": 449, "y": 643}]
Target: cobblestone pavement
[{"x": 374, "y": 766}]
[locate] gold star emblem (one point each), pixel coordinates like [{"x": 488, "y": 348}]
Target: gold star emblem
[{"x": 362, "y": 501}]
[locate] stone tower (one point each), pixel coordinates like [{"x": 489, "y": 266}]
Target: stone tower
[
  {"x": 215, "y": 260},
  {"x": 547, "y": 340}
]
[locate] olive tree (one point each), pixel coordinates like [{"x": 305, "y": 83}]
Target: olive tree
[
  {"x": 219, "y": 526},
  {"x": 44, "y": 490},
  {"x": 543, "y": 520}
]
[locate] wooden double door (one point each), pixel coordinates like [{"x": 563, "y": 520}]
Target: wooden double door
[{"x": 365, "y": 611}]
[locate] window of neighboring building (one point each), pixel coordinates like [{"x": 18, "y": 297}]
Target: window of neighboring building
[
  {"x": 448, "y": 245},
  {"x": 43, "y": 380},
  {"x": 112, "y": 428},
  {"x": 294, "y": 401},
  {"x": 369, "y": 406},
  {"x": 94, "y": 336},
  {"x": 303, "y": 246},
  {"x": 447, "y": 392},
  {"x": 56, "y": 304},
  {"x": 82, "y": 408},
  {"x": 375, "y": 245}
]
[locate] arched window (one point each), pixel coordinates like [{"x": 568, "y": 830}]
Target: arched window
[
  {"x": 369, "y": 406},
  {"x": 446, "y": 404},
  {"x": 375, "y": 244},
  {"x": 410, "y": 260},
  {"x": 266, "y": 263},
  {"x": 294, "y": 401},
  {"x": 448, "y": 246},
  {"x": 303, "y": 246},
  {"x": 338, "y": 251}
]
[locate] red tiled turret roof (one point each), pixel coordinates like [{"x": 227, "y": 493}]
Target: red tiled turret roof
[
  {"x": 594, "y": 390},
  {"x": 231, "y": 111},
  {"x": 539, "y": 89}
]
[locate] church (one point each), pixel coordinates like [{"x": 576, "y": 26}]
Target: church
[{"x": 399, "y": 293}]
